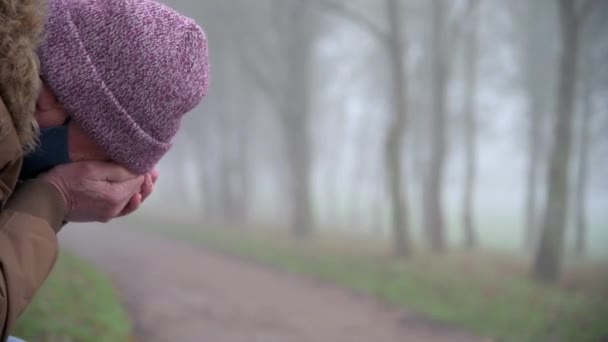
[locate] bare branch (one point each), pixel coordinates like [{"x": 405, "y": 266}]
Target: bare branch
[{"x": 347, "y": 13}]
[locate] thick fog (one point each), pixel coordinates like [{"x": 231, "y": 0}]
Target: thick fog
[{"x": 301, "y": 103}]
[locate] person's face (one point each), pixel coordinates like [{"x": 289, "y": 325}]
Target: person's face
[{"x": 49, "y": 113}]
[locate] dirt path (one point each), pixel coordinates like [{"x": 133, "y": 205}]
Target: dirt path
[{"x": 175, "y": 292}]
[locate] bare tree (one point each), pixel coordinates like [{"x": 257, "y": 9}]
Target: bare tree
[
  {"x": 220, "y": 130},
  {"x": 538, "y": 65},
  {"x": 279, "y": 61},
  {"x": 594, "y": 52},
  {"x": 394, "y": 42},
  {"x": 471, "y": 56},
  {"x": 446, "y": 35},
  {"x": 433, "y": 220},
  {"x": 298, "y": 42},
  {"x": 547, "y": 264},
  {"x": 396, "y": 131},
  {"x": 582, "y": 173}
]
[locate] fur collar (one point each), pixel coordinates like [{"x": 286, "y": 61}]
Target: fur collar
[{"x": 21, "y": 25}]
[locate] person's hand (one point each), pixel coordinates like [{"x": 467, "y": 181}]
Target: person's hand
[
  {"x": 146, "y": 190},
  {"x": 49, "y": 112},
  {"x": 96, "y": 191}
]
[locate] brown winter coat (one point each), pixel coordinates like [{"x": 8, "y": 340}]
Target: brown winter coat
[{"x": 31, "y": 213}]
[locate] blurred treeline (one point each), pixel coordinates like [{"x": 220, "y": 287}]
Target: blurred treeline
[{"x": 408, "y": 119}]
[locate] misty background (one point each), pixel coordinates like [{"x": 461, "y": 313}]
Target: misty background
[{"x": 428, "y": 124}]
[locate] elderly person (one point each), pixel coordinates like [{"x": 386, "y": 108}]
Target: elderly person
[{"x": 118, "y": 76}]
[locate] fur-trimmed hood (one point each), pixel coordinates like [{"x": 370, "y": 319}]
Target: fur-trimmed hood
[{"x": 21, "y": 25}]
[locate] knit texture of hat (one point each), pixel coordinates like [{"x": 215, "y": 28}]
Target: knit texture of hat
[{"x": 126, "y": 71}]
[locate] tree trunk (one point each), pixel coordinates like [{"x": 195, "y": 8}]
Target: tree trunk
[
  {"x": 470, "y": 136},
  {"x": 226, "y": 168},
  {"x": 538, "y": 68},
  {"x": 396, "y": 132},
  {"x": 243, "y": 164},
  {"x": 299, "y": 164},
  {"x": 295, "y": 117},
  {"x": 226, "y": 172},
  {"x": 208, "y": 187},
  {"x": 433, "y": 209},
  {"x": 221, "y": 138},
  {"x": 549, "y": 256},
  {"x": 580, "y": 203},
  {"x": 530, "y": 230}
]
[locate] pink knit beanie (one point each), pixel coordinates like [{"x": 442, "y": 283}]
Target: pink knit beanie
[{"x": 126, "y": 71}]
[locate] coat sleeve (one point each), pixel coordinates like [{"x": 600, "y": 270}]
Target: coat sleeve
[{"x": 28, "y": 247}]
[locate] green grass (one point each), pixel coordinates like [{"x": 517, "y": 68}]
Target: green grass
[
  {"x": 487, "y": 294},
  {"x": 76, "y": 303}
]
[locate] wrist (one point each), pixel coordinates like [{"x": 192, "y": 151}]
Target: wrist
[
  {"x": 41, "y": 199},
  {"x": 59, "y": 191}
]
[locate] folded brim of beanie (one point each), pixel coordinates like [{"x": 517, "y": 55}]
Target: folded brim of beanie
[{"x": 69, "y": 72}]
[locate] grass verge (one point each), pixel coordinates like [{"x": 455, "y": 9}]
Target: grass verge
[
  {"x": 487, "y": 294},
  {"x": 76, "y": 303}
]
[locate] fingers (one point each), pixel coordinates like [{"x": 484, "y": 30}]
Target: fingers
[
  {"x": 49, "y": 119},
  {"x": 154, "y": 174},
  {"x": 120, "y": 198},
  {"x": 107, "y": 171},
  {"x": 46, "y": 100},
  {"x": 48, "y": 112},
  {"x": 147, "y": 187},
  {"x": 91, "y": 197},
  {"x": 130, "y": 187},
  {"x": 132, "y": 206}
]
